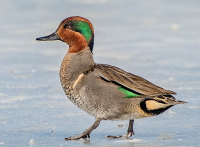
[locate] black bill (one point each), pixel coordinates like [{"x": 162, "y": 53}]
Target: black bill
[{"x": 53, "y": 36}]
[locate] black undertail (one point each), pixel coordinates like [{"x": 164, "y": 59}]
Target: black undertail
[{"x": 155, "y": 111}]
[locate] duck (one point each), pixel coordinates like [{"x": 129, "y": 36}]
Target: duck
[{"x": 104, "y": 91}]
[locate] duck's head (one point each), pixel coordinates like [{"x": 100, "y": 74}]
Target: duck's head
[{"x": 76, "y": 31}]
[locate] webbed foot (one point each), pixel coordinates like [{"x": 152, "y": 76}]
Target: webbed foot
[
  {"x": 129, "y": 134},
  {"x": 130, "y": 131},
  {"x": 86, "y": 133},
  {"x": 83, "y": 135}
]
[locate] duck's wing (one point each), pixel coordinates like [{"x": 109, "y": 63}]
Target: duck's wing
[{"x": 131, "y": 85}]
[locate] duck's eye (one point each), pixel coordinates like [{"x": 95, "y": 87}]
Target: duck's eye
[
  {"x": 67, "y": 27},
  {"x": 79, "y": 26}
]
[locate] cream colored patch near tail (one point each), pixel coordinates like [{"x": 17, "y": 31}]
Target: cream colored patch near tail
[
  {"x": 78, "y": 80},
  {"x": 153, "y": 105}
]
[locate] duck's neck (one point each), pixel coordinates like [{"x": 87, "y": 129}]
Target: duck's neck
[
  {"x": 80, "y": 44},
  {"x": 77, "y": 47},
  {"x": 75, "y": 64}
]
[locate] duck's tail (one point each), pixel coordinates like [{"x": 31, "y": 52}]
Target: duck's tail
[
  {"x": 158, "y": 105},
  {"x": 180, "y": 102}
]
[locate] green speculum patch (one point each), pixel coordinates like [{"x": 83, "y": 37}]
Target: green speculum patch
[
  {"x": 128, "y": 94},
  {"x": 83, "y": 28}
]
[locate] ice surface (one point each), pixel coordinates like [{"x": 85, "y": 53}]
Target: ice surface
[{"x": 158, "y": 40}]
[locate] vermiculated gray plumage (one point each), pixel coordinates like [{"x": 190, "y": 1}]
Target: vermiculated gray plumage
[{"x": 97, "y": 92}]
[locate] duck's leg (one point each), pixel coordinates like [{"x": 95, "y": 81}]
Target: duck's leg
[
  {"x": 87, "y": 132},
  {"x": 130, "y": 131}
]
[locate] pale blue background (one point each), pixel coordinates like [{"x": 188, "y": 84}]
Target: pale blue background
[{"x": 158, "y": 40}]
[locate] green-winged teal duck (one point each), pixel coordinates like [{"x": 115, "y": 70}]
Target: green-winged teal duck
[{"x": 104, "y": 91}]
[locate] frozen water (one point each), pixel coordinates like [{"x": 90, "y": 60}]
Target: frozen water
[{"x": 158, "y": 40}]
